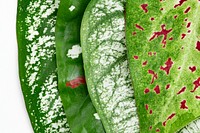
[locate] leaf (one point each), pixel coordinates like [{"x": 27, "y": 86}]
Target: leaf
[
  {"x": 106, "y": 66},
  {"x": 37, "y": 65},
  {"x": 163, "y": 50},
  {"x": 78, "y": 107}
]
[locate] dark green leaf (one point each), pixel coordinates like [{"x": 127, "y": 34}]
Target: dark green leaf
[
  {"x": 37, "y": 65},
  {"x": 78, "y": 107}
]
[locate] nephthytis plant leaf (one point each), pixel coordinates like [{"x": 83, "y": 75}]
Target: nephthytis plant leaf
[
  {"x": 80, "y": 112},
  {"x": 163, "y": 40},
  {"x": 37, "y": 65},
  {"x": 106, "y": 66}
]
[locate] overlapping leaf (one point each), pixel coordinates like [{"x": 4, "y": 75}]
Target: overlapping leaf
[
  {"x": 81, "y": 114},
  {"x": 106, "y": 66},
  {"x": 164, "y": 51},
  {"x": 37, "y": 65}
]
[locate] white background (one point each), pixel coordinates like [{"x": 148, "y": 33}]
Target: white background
[{"x": 13, "y": 116}]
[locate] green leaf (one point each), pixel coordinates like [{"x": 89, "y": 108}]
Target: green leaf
[
  {"x": 106, "y": 66},
  {"x": 78, "y": 107},
  {"x": 164, "y": 51},
  {"x": 37, "y": 65}
]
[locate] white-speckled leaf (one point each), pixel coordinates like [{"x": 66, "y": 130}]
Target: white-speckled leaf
[
  {"x": 37, "y": 64},
  {"x": 106, "y": 66}
]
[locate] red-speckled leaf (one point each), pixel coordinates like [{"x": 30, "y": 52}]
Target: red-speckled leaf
[{"x": 163, "y": 39}]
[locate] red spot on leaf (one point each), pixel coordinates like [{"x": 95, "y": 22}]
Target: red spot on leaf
[
  {"x": 150, "y": 53},
  {"x": 134, "y": 33},
  {"x": 139, "y": 27},
  {"x": 76, "y": 82},
  {"x": 180, "y": 3},
  {"x": 198, "y": 45},
  {"x": 145, "y": 63},
  {"x": 157, "y": 130},
  {"x": 183, "y": 36},
  {"x": 196, "y": 84},
  {"x": 157, "y": 89},
  {"x": 167, "y": 86},
  {"x": 144, "y": 7},
  {"x": 179, "y": 68},
  {"x": 188, "y": 25},
  {"x": 146, "y": 90},
  {"x": 161, "y": 9},
  {"x": 183, "y": 105},
  {"x": 193, "y": 68},
  {"x": 169, "y": 118},
  {"x": 146, "y": 106},
  {"x": 187, "y": 10},
  {"x": 175, "y": 16},
  {"x": 189, "y": 31},
  {"x": 151, "y": 111},
  {"x": 154, "y": 75},
  {"x": 150, "y": 127},
  {"x": 186, "y": 19},
  {"x": 136, "y": 57},
  {"x": 197, "y": 97},
  {"x": 171, "y": 38},
  {"x": 168, "y": 66},
  {"x": 152, "y": 19},
  {"x": 182, "y": 90},
  {"x": 163, "y": 32}
]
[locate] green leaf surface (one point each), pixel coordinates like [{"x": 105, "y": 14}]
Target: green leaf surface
[
  {"x": 106, "y": 66},
  {"x": 37, "y": 65},
  {"x": 164, "y": 51},
  {"x": 80, "y": 112}
]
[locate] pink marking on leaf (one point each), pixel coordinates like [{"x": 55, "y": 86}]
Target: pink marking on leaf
[
  {"x": 187, "y": 10},
  {"x": 196, "y": 84},
  {"x": 167, "y": 86},
  {"x": 146, "y": 91},
  {"x": 163, "y": 32},
  {"x": 188, "y": 25},
  {"x": 157, "y": 130},
  {"x": 151, "y": 111},
  {"x": 136, "y": 57},
  {"x": 134, "y": 33},
  {"x": 157, "y": 89},
  {"x": 145, "y": 63},
  {"x": 76, "y": 82},
  {"x": 198, "y": 45},
  {"x": 181, "y": 91},
  {"x": 183, "y": 105},
  {"x": 183, "y": 36},
  {"x": 180, "y": 3},
  {"x": 139, "y": 27},
  {"x": 152, "y": 19},
  {"x": 144, "y": 7},
  {"x": 150, "y": 53},
  {"x": 193, "y": 68},
  {"x": 150, "y": 127},
  {"x": 197, "y": 97},
  {"x": 146, "y": 106},
  {"x": 169, "y": 118},
  {"x": 168, "y": 66},
  {"x": 154, "y": 75}
]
